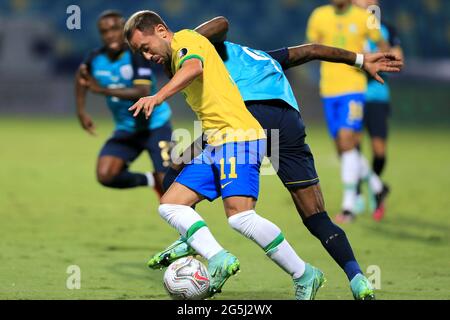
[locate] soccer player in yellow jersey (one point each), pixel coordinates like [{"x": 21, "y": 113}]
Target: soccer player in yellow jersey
[
  {"x": 343, "y": 88},
  {"x": 229, "y": 164}
]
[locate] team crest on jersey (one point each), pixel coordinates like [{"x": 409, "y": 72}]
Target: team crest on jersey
[
  {"x": 126, "y": 72},
  {"x": 182, "y": 52},
  {"x": 353, "y": 28}
]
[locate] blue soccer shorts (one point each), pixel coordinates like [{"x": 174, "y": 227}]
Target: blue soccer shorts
[
  {"x": 129, "y": 145},
  {"x": 344, "y": 112},
  {"x": 228, "y": 170}
]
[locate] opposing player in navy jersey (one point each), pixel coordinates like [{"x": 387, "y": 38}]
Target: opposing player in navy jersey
[
  {"x": 269, "y": 98},
  {"x": 123, "y": 77}
]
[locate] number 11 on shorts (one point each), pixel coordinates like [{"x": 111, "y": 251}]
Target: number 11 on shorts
[{"x": 232, "y": 174}]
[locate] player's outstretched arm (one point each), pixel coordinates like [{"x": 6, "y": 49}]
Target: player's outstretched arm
[
  {"x": 215, "y": 29},
  {"x": 372, "y": 63},
  {"x": 190, "y": 70},
  {"x": 131, "y": 93},
  {"x": 80, "y": 97},
  {"x": 302, "y": 54}
]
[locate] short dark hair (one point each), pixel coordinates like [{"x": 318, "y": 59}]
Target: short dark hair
[
  {"x": 110, "y": 14},
  {"x": 143, "y": 21}
]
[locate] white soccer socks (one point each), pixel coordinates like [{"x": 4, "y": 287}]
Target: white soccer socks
[
  {"x": 191, "y": 225},
  {"x": 269, "y": 237},
  {"x": 350, "y": 172},
  {"x": 150, "y": 179},
  {"x": 366, "y": 174}
]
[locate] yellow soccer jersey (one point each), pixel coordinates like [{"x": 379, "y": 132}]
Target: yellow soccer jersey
[
  {"x": 214, "y": 97},
  {"x": 348, "y": 31}
]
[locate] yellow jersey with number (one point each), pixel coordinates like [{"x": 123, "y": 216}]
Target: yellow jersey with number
[
  {"x": 214, "y": 96},
  {"x": 348, "y": 30}
]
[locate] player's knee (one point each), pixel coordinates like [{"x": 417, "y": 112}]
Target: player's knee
[
  {"x": 235, "y": 207},
  {"x": 379, "y": 147},
  {"x": 105, "y": 176},
  {"x": 165, "y": 210}
]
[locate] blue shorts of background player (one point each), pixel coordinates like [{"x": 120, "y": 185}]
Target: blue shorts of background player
[
  {"x": 124, "y": 147},
  {"x": 344, "y": 112},
  {"x": 129, "y": 145},
  {"x": 228, "y": 170}
]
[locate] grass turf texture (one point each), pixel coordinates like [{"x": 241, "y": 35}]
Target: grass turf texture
[{"x": 54, "y": 214}]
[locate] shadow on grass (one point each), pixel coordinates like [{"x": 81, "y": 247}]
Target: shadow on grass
[
  {"x": 410, "y": 229},
  {"x": 136, "y": 271}
]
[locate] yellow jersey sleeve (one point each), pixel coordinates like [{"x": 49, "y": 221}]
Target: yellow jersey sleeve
[
  {"x": 313, "y": 33},
  {"x": 186, "y": 50}
]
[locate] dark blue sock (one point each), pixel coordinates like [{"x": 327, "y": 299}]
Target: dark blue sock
[
  {"x": 378, "y": 165},
  {"x": 125, "y": 180},
  {"x": 334, "y": 241}
]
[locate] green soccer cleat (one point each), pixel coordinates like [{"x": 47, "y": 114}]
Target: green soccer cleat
[
  {"x": 306, "y": 286},
  {"x": 220, "y": 267},
  {"x": 362, "y": 288},
  {"x": 176, "y": 250}
]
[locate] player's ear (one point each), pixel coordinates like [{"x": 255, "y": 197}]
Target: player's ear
[{"x": 161, "y": 30}]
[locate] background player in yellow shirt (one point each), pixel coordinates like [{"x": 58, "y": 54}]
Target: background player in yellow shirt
[
  {"x": 228, "y": 166},
  {"x": 343, "y": 88}
]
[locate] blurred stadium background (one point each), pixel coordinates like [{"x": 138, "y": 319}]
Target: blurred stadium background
[
  {"x": 39, "y": 54},
  {"x": 55, "y": 214}
]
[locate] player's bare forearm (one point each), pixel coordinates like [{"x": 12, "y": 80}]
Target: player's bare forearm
[
  {"x": 305, "y": 53},
  {"x": 133, "y": 93},
  {"x": 215, "y": 29},
  {"x": 190, "y": 70},
  {"x": 80, "y": 93},
  {"x": 80, "y": 99}
]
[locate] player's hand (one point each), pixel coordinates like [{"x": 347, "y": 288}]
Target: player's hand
[
  {"x": 87, "y": 123},
  {"x": 146, "y": 105},
  {"x": 381, "y": 62}
]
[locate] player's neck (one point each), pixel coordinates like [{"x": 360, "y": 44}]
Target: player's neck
[
  {"x": 343, "y": 9},
  {"x": 113, "y": 55}
]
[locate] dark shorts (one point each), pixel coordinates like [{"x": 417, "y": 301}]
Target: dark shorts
[
  {"x": 376, "y": 116},
  {"x": 293, "y": 162},
  {"x": 129, "y": 145}
]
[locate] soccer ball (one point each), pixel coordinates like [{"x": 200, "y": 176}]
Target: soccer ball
[{"x": 187, "y": 279}]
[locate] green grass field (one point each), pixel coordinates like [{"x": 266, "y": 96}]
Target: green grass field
[{"x": 54, "y": 214}]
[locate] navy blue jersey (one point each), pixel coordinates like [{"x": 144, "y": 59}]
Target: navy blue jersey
[{"x": 125, "y": 71}]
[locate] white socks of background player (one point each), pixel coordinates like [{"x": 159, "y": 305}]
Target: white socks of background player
[
  {"x": 190, "y": 225},
  {"x": 350, "y": 173},
  {"x": 150, "y": 179},
  {"x": 366, "y": 174},
  {"x": 269, "y": 237}
]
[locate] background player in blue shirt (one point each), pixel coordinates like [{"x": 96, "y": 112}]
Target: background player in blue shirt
[
  {"x": 123, "y": 77},
  {"x": 268, "y": 96},
  {"x": 378, "y": 107}
]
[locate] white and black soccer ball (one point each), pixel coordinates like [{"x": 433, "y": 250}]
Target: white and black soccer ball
[{"x": 187, "y": 279}]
